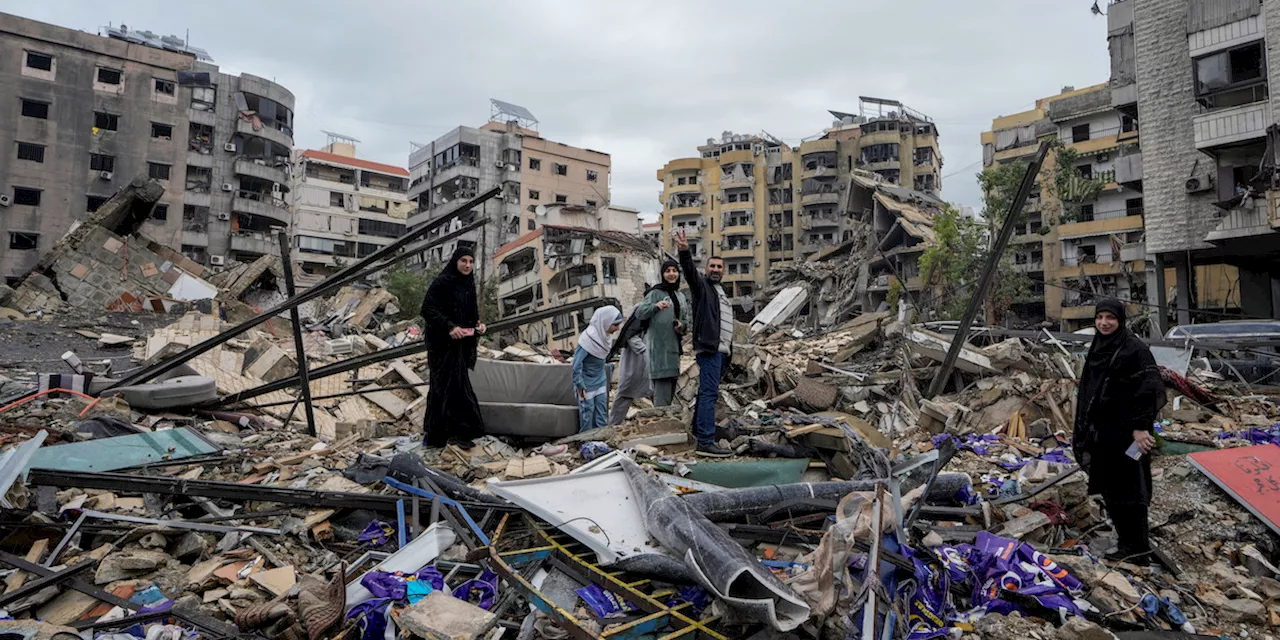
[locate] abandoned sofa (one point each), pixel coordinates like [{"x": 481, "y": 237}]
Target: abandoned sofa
[{"x": 526, "y": 399}]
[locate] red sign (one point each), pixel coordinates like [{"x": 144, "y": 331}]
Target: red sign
[{"x": 1250, "y": 474}]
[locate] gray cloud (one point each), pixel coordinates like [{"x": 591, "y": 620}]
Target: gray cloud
[{"x": 644, "y": 82}]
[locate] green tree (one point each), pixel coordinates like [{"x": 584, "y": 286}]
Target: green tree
[
  {"x": 409, "y": 287},
  {"x": 951, "y": 263},
  {"x": 999, "y": 184}
]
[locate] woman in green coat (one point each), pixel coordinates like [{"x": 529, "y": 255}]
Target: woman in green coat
[{"x": 668, "y": 313}]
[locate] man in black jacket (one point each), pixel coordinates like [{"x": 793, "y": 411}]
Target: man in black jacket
[{"x": 712, "y": 342}]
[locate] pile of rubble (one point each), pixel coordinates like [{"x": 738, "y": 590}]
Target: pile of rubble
[{"x": 212, "y": 499}]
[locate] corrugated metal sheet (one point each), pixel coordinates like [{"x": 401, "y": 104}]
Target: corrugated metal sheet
[{"x": 1207, "y": 14}]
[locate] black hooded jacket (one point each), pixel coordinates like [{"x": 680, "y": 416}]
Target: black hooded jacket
[{"x": 451, "y": 302}]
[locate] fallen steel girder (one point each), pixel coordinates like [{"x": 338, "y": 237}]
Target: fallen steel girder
[
  {"x": 324, "y": 287},
  {"x": 401, "y": 351},
  {"x": 57, "y": 577},
  {"x": 736, "y": 503},
  {"x": 299, "y": 355},
  {"x": 720, "y": 563},
  {"x": 120, "y": 482}
]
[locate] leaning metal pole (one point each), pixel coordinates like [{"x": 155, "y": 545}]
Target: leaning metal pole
[
  {"x": 988, "y": 270},
  {"x": 329, "y": 284},
  {"x": 286, "y": 263}
]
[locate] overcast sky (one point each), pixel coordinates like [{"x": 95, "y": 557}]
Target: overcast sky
[{"x": 643, "y": 81}]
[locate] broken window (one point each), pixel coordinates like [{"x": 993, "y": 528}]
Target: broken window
[
  {"x": 1133, "y": 207},
  {"x": 1086, "y": 212},
  {"x": 32, "y": 152},
  {"x": 158, "y": 171},
  {"x": 109, "y": 76},
  {"x": 381, "y": 228},
  {"x": 1087, "y": 254},
  {"x": 532, "y": 224},
  {"x": 107, "y": 121},
  {"x": 1232, "y": 77},
  {"x": 609, "y": 267},
  {"x": 165, "y": 87},
  {"x": 924, "y": 155},
  {"x": 1085, "y": 171},
  {"x": 200, "y": 137},
  {"x": 886, "y": 152},
  {"x": 534, "y": 194},
  {"x": 39, "y": 61},
  {"x": 592, "y": 175},
  {"x": 559, "y": 169},
  {"x": 160, "y": 212},
  {"x": 591, "y": 203},
  {"x": 203, "y": 98},
  {"x": 337, "y": 199},
  {"x": 164, "y": 131},
  {"x": 101, "y": 162},
  {"x": 94, "y": 202},
  {"x": 535, "y": 164},
  {"x": 195, "y": 218},
  {"x": 23, "y": 241},
  {"x": 1127, "y": 123},
  {"x": 562, "y": 198},
  {"x": 511, "y": 157},
  {"x": 199, "y": 179},
  {"x": 35, "y": 109},
  {"x": 1080, "y": 133}
]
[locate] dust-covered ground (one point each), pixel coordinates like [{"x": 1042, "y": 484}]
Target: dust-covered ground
[{"x": 36, "y": 346}]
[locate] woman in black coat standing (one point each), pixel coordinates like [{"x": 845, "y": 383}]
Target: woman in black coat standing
[
  {"x": 1120, "y": 395},
  {"x": 452, "y": 331}
]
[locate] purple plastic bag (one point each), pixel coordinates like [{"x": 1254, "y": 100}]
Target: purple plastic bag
[
  {"x": 926, "y": 594},
  {"x": 371, "y": 618},
  {"x": 603, "y": 603},
  {"x": 392, "y": 585},
  {"x": 481, "y": 591},
  {"x": 376, "y": 534}
]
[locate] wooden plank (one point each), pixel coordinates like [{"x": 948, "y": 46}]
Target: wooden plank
[
  {"x": 796, "y": 432},
  {"x": 15, "y": 581}
]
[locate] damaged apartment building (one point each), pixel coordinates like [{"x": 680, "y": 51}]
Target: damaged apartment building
[
  {"x": 760, "y": 204},
  {"x": 1197, "y": 76},
  {"x": 576, "y": 253},
  {"x": 507, "y": 152},
  {"x": 92, "y": 112},
  {"x": 344, "y": 207}
]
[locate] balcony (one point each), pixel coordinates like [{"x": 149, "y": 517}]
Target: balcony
[
  {"x": 1231, "y": 125},
  {"x": 732, "y": 227},
  {"x": 1129, "y": 168},
  {"x": 255, "y": 242},
  {"x": 691, "y": 233},
  {"x": 197, "y": 159},
  {"x": 825, "y": 197},
  {"x": 737, "y": 178},
  {"x": 1133, "y": 252},
  {"x": 685, "y": 210},
  {"x": 684, "y": 188},
  {"x": 518, "y": 282},
  {"x": 1029, "y": 267},
  {"x": 269, "y": 132},
  {"x": 264, "y": 205},
  {"x": 818, "y": 146},
  {"x": 260, "y": 169},
  {"x": 1099, "y": 227},
  {"x": 821, "y": 171},
  {"x": 739, "y": 277},
  {"x": 1243, "y": 223},
  {"x": 816, "y": 222},
  {"x": 741, "y": 252}
]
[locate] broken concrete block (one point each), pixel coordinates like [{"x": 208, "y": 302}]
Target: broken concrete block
[
  {"x": 189, "y": 547},
  {"x": 816, "y": 395},
  {"x": 1243, "y": 610},
  {"x": 1077, "y": 628},
  {"x": 442, "y": 617},
  {"x": 153, "y": 540},
  {"x": 1021, "y": 526},
  {"x": 271, "y": 364},
  {"x": 127, "y": 564},
  {"x": 277, "y": 581}
]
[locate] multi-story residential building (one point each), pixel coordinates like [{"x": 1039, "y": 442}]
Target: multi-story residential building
[
  {"x": 238, "y": 165},
  {"x": 1082, "y": 234},
  {"x": 508, "y": 152},
  {"x": 652, "y": 231},
  {"x": 82, "y": 116},
  {"x": 344, "y": 208},
  {"x": 89, "y": 113},
  {"x": 759, "y": 203},
  {"x": 1198, "y": 76},
  {"x": 576, "y": 253}
]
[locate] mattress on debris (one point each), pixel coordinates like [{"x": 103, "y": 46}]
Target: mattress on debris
[{"x": 526, "y": 399}]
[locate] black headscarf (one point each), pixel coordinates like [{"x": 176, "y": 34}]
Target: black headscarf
[
  {"x": 451, "y": 302},
  {"x": 670, "y": 287},
  {"x": 1104, "y": 347}
]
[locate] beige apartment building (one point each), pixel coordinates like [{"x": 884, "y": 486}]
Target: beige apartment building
[
  {"x": 759, "y": 203},
  {"x": 344, "y": 207}
]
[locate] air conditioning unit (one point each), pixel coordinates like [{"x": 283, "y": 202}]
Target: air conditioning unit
[
  {"x": 224, "y": 217},
  {"x": 1198, "y": 183},
  {"x": 757, "y": 263},
  {"x": 229, "y": 146},
  {"x": 757, "y": 243},
  {"x": 106, "y": 175},
  {"x": 500, "y": 164},
  {"x": 6, "y": 200},
  {"x": 502, "y": 195},
  {"x": 217, "y": 261},
  {"x": 260, "y": 161},
  {"x": 348, "y": 233},
  {"x": 1103, "y": 157},
  {"x": 227, "y": 186},
  {"x": 1108, "y": 279}
]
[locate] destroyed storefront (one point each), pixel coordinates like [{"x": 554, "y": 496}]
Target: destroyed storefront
[{"x": 557, "y": 265}]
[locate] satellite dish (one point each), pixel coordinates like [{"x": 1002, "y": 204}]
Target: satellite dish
[{"x": 540, "y": 210}]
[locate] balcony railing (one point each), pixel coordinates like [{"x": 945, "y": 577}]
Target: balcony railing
[{"x": 262, "y": 197}]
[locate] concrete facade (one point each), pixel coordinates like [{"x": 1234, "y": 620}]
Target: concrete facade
[
  {"x": 110, "y": 108},
  {"x": 1203, "y": 142},
  {"x": 344, "y": 208},
  {"x": 238, "y": 165},
  {"x": 61, "y": 107}
]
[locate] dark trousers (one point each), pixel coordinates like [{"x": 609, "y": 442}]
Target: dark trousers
[
  {"x": 1132, "y": 528},
  {"x": 710, "y": 368}
]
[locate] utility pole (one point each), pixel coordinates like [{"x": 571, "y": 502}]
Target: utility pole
[{"x": 988, "y": 271}]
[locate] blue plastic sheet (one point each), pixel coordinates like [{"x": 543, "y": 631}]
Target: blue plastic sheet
[{"x": 121, "y": 452}]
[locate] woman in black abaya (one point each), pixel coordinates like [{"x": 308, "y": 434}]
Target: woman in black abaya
[
  {"x": 452, "y": 331},
  {"x": 1120, "y": 394}
]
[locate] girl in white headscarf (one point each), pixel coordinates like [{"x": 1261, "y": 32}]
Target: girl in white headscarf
[{"x": 590, "y": 382}]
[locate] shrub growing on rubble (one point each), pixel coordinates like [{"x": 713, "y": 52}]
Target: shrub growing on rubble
[{"x": 409, "y": 287}]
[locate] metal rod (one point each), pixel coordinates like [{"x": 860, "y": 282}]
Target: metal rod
[
  {"x": 286, "y": 265},
  {"x": 40, "y": 583},
  {"x": 329, "y": 284},
  {"x": 403, "y": 351},
  {"x": 357, "y": 392},
  {"x": 178, "y": 524},
  {"x": 988, "y": 271},
  {"x": 873, "y": 567},
  {"x": 62, "y": 544}
]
